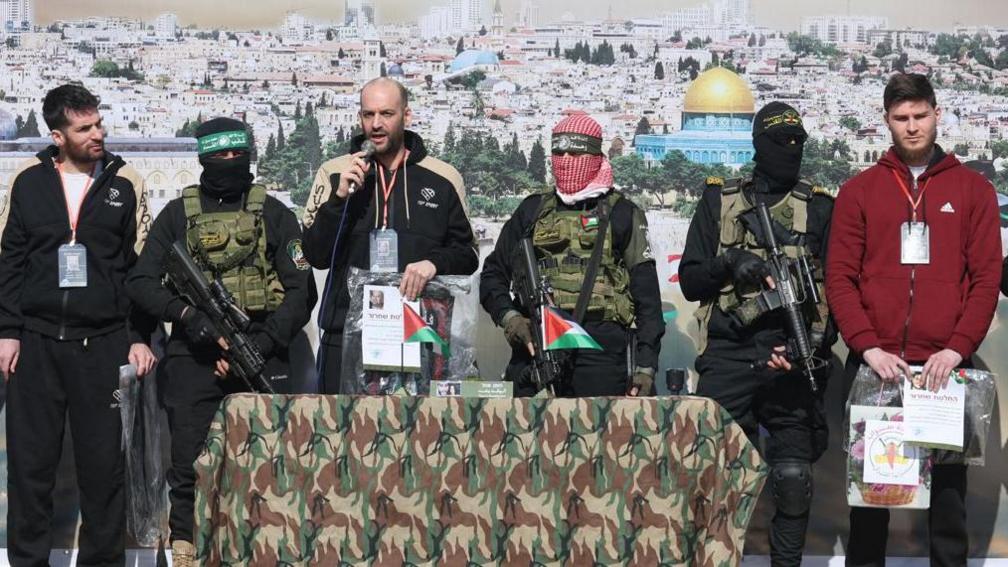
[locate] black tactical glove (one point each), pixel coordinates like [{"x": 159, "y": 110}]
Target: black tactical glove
[
  {"x": 264, "y": 342},
  {"x": 746, "y": 267},
  {"x": 642, "y": 382},
  {"x": 198, "y": 328},
  {"x": 517, "y": 330}
]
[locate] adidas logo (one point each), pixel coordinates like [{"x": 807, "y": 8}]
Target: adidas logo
[{"x": 947, "y": 208}]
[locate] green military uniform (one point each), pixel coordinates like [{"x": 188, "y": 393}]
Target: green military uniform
[
  {"x": 565, "y": 240},
  {"x": 231, "y": 246}
]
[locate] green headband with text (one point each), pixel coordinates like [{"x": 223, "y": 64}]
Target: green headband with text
[{"x": 233, "y": 140}]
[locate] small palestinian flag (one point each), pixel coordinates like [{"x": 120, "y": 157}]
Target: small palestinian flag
[
  {"x": 589, "y": 222},
  {"x": 416, "y": 331},
  {"x": 562, "y": 333}
]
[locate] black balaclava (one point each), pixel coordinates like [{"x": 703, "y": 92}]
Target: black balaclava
[
  {"x": 778, "y": 137},
  {"x": 224, "y": 178}
]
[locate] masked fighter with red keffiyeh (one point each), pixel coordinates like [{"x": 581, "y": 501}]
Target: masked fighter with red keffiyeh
[{"x": 623, "y": 313}]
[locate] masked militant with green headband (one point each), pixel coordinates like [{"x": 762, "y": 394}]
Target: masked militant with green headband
[{"x": 251, "y": 243}]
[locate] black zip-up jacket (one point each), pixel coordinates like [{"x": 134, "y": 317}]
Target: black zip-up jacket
[
  {"x": 702, "y": 274},
  {"x": 34, "y": 223},
  {"x": 283, "y": 249},
  {"x": 627, "y": 228},
  {"x": 426, "y": 210}
]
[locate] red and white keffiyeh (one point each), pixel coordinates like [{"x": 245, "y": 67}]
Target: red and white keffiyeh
[{"x": 584, "y": 175}]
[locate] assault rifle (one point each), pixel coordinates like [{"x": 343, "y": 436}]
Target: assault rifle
[
  {"x": 243, "y": 356},
  {"x": 794, "y": 287},
  {"x": 533, "y": 289}
]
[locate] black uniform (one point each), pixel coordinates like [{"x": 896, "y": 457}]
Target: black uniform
[
  {"x": 595, "y": 373},
  {"x": 426, "y": 211},
  {"x": 781, "y": 402},
  {"x": 73, "y": 341},
  {"x": 190, "y": 391}
]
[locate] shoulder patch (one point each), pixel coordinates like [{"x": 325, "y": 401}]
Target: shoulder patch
[
  {"x": 715, "y": 180},
  {"x": 297, "y": 254}
]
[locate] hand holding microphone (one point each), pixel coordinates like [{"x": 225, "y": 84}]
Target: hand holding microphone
[{"x": 353, "y": 176}]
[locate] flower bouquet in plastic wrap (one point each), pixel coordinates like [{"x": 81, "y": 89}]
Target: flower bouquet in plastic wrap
[
  {"x": 882, "y": 470},
  {"x": 880, "y": 466}
]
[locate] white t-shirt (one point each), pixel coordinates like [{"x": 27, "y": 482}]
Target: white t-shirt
[
  {"x": 74, "y": 186},
  {"x": 917, "y": 171}
]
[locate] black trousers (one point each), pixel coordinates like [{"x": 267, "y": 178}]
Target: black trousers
[
  {"x": 191, "y": 395},
  {"x": 55, "y": 379},
  {"x": 949, "y": 540},
  {"x": 783, "y": 403}
]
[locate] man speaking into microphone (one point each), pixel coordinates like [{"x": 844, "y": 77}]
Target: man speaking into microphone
[{"x": 393, "y": 208}]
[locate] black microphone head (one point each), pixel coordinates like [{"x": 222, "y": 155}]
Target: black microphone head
[{"x": 369, "y": 149}]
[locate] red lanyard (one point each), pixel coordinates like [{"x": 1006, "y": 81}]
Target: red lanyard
[
  {"x": 906, "y": 192},
  {"x": 387, "y": 188},
  {"x": 75, "y": 217}
]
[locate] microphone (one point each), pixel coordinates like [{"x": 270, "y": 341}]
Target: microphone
[{"x": 369, "y": 150}]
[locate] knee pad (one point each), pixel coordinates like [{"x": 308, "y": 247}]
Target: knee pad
[{"x": 791, "y": 482}]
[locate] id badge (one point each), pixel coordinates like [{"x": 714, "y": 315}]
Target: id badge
[
  {"x": 915, "y": 243},
  {"x": 384, "y": 251},
  {"x": 72, "y": 266}
]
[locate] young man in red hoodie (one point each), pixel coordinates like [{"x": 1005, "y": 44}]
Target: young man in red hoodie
[{"x": 912, "y": 278}]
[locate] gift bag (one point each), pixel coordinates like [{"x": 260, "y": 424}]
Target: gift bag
[
  {"x": 882, "y": 470},
  {"x": 869, "y": 390}
]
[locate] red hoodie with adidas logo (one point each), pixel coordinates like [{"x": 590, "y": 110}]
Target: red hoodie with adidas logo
[{"x": 914, "y": 310}]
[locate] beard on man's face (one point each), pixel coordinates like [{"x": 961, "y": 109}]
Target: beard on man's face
[
  {"x": 88, "y": 151},
  {"x": 916, "y": 154}
]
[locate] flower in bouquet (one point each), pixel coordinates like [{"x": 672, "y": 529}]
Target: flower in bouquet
[{"x": 857, "y": 450}]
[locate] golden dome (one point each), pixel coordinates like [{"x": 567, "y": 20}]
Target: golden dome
[{"x": 719, "y": 91}]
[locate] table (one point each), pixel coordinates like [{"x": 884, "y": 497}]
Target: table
[{"x": 358, "y": 480}]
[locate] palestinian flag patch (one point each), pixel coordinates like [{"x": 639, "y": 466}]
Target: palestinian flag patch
[{"x": 589, "y": 222}]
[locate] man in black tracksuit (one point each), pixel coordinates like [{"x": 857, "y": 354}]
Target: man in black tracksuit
[
  {"x": 722, "y": 266},
  {"x": 405, "y": 192},
  {"x": 73, "y": 221},
  {"x": 193, "y": 375}
]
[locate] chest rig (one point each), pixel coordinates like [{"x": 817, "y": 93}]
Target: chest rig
[
  {"x": 740, "y": 302},
  {"x": 564, "y": 242},
  {"x": 231, "y": 246}
]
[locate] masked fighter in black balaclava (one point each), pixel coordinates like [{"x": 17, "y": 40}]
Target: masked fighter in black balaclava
[
  {"x": 251, "y": 242},
  {"x": 743, "y": 362}
]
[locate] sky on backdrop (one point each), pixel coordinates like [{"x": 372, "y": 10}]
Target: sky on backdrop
[{"x": 776, "y": 14}]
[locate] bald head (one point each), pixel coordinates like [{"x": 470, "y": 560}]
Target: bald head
[
  {"x": 385, "y": 88},
  {"x": 384, "y": 116}
]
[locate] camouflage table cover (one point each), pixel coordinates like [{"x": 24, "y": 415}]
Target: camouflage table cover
[{"x": 339, "y": 480}]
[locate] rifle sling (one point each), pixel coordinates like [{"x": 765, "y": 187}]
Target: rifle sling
[{"x": 596, "y": 258}]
